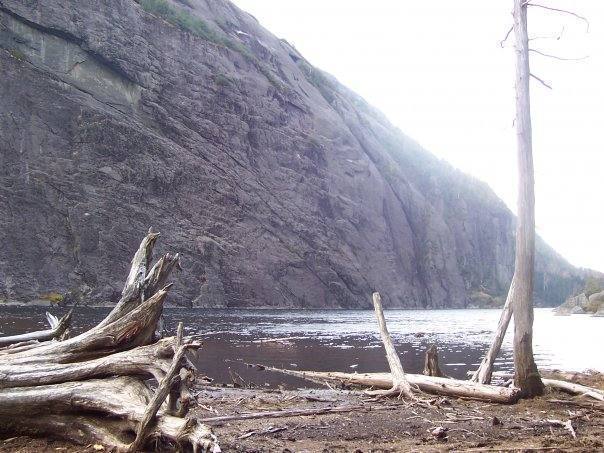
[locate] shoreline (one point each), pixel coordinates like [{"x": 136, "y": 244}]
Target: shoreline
[
  {"x": 43, "y": 303},
  {"x": 387, "y": 425}
]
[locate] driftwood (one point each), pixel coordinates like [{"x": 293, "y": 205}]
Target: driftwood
[
  {"x": 58, "y": 329},
  {"x": 428, "y": 384},
  {"x": 485, "y": 371},
  {"x": 295, "y": 413},
  {"x": 97, "y": 387},
  {"x": 397, "y": 382},
  {"x": 400, "y": 386},
  {"x": 570, "y": 387}
]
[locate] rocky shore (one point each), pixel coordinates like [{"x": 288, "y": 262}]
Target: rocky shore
[{"x": 583, "y": 304}]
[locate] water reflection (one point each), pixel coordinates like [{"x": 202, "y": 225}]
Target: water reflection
[{"x": 348, "y": 340}]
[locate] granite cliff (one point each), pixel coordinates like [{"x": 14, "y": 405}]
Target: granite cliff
[{"x": 278, "y": 185}]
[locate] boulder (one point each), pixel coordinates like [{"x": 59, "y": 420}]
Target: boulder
[
  {"x": 571, "y": 303},
  {"x": 599, "y": 313}
]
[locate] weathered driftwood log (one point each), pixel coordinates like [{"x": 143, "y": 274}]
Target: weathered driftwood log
[
  {"x": 121, "y": 401},
  {"x": 58, "y": 328},
  {"x": 400, "y": 386},
  {"x": 431, "y": 366},
  {"x": 95, "y": 387},
  {"x": 570, "y": 387},
  {"x": 429, "y": 384}
]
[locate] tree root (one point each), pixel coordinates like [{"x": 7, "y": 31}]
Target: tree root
[{"x": 95, "y": 387}]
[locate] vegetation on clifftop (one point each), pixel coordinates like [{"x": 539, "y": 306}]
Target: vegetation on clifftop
[{"x": 198, "y": 27}]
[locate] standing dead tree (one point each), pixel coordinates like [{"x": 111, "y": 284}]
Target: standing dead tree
[
  {"x": 94, "y": 388},
  {"x": 519, "y": 299},
  {"x": 526, "y": 375}
]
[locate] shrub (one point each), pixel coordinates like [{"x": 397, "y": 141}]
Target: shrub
[
  {"x": 182, "y": 19},
  {"x": 17, "y": 54},
  {"x": 196, "y": 26}
]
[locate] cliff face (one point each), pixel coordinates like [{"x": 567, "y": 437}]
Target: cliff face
[{"x": 278, "y": 185}]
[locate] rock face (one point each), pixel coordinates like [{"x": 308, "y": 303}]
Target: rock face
[{"x": 279, "y": 186}]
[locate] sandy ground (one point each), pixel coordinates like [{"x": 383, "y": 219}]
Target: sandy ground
[{"x": 386, "y": 425}]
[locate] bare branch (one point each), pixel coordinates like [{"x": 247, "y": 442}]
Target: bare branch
[
  {"x": 558, "y": 10},
  {"x": 556, "y": 37},
  {"x": 546, "y": 85},
  {"x": 557, "y": 57},
  {"x": 507, "y": 35}
]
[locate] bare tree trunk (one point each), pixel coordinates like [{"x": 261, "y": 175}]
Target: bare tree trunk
[
  {"x": 400, "y": 386},
  {"x": 526, "y": 374}
]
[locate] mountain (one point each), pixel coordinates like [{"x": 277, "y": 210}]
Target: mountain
[{"x": 278, "y": 185}]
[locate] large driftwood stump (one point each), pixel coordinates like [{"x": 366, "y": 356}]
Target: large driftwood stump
[{"x": 98, "y": 387}]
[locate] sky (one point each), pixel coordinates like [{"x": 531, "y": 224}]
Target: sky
[{"x": 439, "y": 73}]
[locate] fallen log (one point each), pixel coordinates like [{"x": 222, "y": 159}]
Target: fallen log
[
  {"x": 97, "y": 386},
  {"x": 58, "y": 327},
  {"x": 570, "y": 387},
  {"x": 398, "y": 383},
  {"x": 161, "y": 393},
  {"x": 429, "y": 384}
]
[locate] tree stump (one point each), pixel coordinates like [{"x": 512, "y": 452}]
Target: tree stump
[
  {"x": 97, "y": 387},
  {"x": 431, "y": 367}
]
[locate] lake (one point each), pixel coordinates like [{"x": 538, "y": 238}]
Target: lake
[{"x": 344, "y": 340}]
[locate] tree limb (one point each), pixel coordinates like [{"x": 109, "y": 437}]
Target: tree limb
[
  {"x": 558, "y": 10},
  {"x": 557, "y": 57},
  {"x": 160, "y": 395},
  {"x": 546, "y": 85},
  {"x": 507, "y": 35},
  {"x": 556, "y": 37}
]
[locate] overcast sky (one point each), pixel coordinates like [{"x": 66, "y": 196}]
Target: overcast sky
[{"x": 436, "y": 69}]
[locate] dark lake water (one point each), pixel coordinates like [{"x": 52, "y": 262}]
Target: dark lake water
[{"x": 339, "y": 340}]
